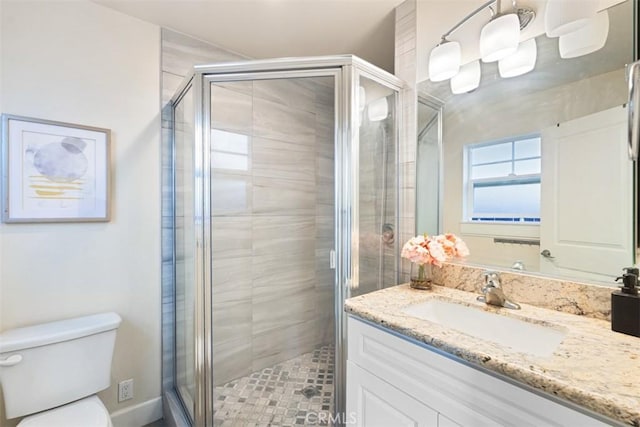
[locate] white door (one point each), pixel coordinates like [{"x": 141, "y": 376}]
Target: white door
[
  {"x": 586, "y": 220},
  {"x": 375, "y": 403}
]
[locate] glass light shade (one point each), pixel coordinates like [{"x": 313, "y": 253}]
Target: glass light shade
[
  {"x": 500, "y": 37},
  {"x": 362, "y": 98},
  {"x": 521, "y": 61},
  {"x": 467, "y": 79},
  {"x": 444, "y": 61},
  {"x": 562, "y": 17},
  {"x": 378, "y": 110},
  {"x": 587, "y": 39}
]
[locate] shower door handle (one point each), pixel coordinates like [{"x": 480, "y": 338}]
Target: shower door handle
[{"x": 634, "y": 120}]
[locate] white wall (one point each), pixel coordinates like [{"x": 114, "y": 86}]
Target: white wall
[{"x": 79, "y": 62}]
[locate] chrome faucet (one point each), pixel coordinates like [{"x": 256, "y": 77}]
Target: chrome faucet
[
  {"x": 492, "y": 292},
  {"x": 518, "y": 265}
]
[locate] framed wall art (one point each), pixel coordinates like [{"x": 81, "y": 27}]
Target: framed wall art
[{"x": 53, "y": 171}]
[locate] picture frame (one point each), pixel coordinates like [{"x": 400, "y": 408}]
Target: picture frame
[{"x": 54, "y": 171}]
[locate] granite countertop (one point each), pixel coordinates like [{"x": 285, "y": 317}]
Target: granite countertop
[{"x": 593, "y": 366}]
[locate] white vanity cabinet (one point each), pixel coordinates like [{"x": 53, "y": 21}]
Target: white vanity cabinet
[{"x": 392, "y": 381}]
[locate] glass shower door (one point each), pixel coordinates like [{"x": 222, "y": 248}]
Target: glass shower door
[
  {"x": 184, "y": 250},
  {"x": 272, "y": 204},
  {"x": 284, "y": 198},
  {"x": 375, "y": 249}
]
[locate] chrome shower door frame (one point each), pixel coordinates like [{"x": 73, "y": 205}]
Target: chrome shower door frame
[{"x": 346, "y": 71}]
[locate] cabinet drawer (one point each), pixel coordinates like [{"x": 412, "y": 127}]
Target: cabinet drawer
[
  {"x": 467, "y": 396},
  {"x": 372, "y": 402}
]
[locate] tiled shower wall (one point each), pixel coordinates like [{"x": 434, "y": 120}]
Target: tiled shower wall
[
  {"x": 272, "y": 222},
  {"x": 377, "y": 193},
  {"x": 406, "y": 69},
  {"x": 272, "y": 213}
]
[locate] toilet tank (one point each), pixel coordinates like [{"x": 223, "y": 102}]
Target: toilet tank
[{"x": 51, "y": 364}]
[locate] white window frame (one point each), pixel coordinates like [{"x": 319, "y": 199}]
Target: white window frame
[{"x": 470, "y": 184}]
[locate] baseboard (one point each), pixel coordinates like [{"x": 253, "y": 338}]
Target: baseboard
[{"x": 138, "y": 415}]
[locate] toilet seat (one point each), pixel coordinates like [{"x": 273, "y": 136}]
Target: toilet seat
[{"x": 87, "y": 412}]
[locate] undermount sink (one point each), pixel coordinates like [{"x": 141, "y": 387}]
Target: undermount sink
[{"x": 519, "y": 335}]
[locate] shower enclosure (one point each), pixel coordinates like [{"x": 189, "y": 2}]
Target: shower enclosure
[{"x": 284, "y": 203}]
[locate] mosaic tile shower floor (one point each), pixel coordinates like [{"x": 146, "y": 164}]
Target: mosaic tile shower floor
[{"x": 293, "y": 393}]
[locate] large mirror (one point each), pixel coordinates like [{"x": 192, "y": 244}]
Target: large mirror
[{"x": 532, "y": 171}]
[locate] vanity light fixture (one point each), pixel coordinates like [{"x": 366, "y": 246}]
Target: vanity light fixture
[
  {"x": 378, "y": 110},
  {"x": 587, "y": 39},
  {"x": 521, "y": 61},
  {"x": 499, "y": 38},
  {"x": 444, "y": 60},
  {"x": 563, "y": 17},
  {"x": 467, "y": 79}
]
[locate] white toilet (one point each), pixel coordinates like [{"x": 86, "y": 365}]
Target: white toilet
[{"x": 53, "y": 371}]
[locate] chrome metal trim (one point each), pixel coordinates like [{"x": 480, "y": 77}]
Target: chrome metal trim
[
  {"x": 298, "y": 64},
  {"x": 471, "y": 15},
  {"x": 200, "y": 340},
  {"x": 269, "y": 75},
  {"x": 633, "y": 118},
  {"x": 400, "y": 119},
  {"x": 276, "y": 64},
  {"x": 343, "y": 233},
  {"x": 381, "y": 77},
  {"x": 352, "y": 84},
  {"x": 207, "y": 252},
  {"x": 177, "y": 410},
  {"x": 171, "y": 346}
]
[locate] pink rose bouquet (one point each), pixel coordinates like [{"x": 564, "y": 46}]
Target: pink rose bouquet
[{"x": 433, "y": 250}]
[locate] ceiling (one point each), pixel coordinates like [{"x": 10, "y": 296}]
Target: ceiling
[{"x": 278, "y": 28}]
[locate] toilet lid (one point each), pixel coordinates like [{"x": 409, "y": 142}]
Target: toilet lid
[{"x": 88, "y": 412}]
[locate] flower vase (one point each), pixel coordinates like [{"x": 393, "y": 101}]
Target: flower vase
[{"x": 421, "y": 276}]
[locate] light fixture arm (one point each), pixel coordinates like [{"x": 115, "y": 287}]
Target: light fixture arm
[
  {"x": 525, "y": 15},
  {"x": 469, "y": 16}
]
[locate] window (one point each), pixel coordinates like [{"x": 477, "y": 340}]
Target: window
[
  {"x": 229, "y": 150},
  {"x": 502, "y": 181}
]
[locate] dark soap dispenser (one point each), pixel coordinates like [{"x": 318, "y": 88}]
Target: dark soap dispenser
[{"x": 625, "y": 304}]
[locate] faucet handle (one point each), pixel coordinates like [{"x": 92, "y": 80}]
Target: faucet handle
[{"x": 491, "y": 277}]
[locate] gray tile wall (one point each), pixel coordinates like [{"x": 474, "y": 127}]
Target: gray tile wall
[
  {"x": 406, "y": 69},
  {"x": 374, "y": 178},
  {"x": 272, "y": 222}
]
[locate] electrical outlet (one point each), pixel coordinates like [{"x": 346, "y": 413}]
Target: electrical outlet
[{"x": 125, "y": 390}]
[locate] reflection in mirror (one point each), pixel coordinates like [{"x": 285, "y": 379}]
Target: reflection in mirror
[
  {"x": 429, "y": 174},
  {"x": 536, "y": 174}
]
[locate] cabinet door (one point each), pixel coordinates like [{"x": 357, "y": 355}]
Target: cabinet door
[
  {"x": 376, "y": 403},
  {"x": 466, "y": 396}
]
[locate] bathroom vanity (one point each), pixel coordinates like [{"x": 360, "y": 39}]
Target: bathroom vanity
[{"x": 409, "y": 362}]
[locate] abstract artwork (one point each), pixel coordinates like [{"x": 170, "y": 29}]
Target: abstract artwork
[{"x": 54, "y": 172}]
